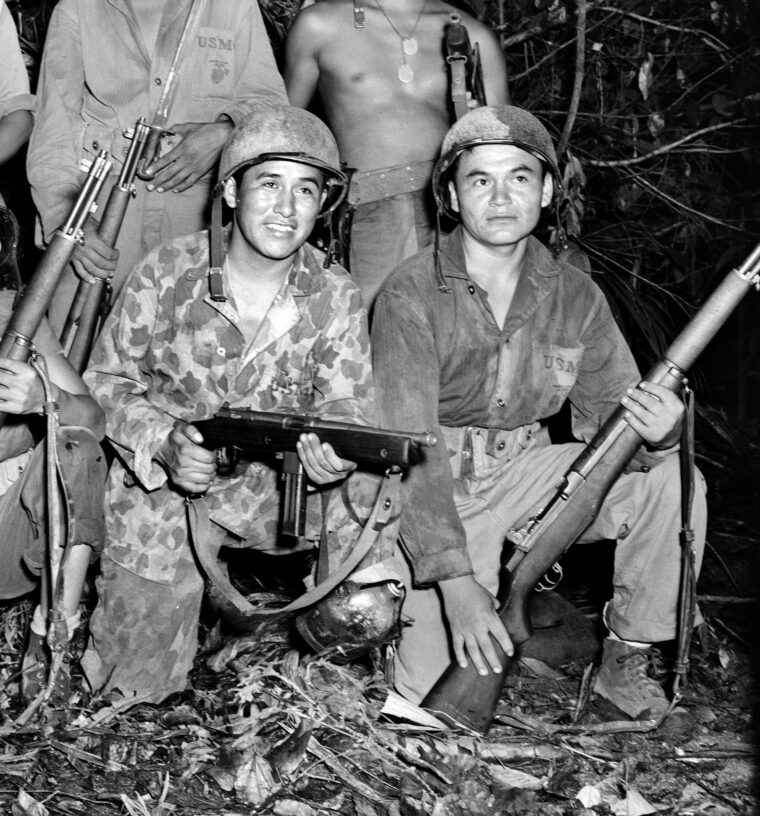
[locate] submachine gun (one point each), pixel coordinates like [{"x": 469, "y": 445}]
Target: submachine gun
[
  {"x": 339, "y": 613},
  {"x": 463, "y": 697},
  {"x": 239, "y": 433}
]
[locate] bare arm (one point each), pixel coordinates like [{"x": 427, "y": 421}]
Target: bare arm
[
  {"x": 301, "y": 63},
  {"x": 494, "y": 65},
  {"x": 76, "y": 406},
  {"x": 21, "y": 392},
  {"x": 14, "y": 132}
]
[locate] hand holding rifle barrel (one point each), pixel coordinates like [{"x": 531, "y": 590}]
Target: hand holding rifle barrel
[{"x": 86, "y": 308}]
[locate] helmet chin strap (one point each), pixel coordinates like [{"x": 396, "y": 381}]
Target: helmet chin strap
[{"x": 216, "y": 252}]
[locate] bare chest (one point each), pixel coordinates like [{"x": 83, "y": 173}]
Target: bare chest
[{"x": 405, "y": 65}]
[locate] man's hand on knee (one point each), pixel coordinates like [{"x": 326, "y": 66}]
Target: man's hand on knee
[
  {"x": 474, "y": 624},
  {"x": 191, "y": 467}
]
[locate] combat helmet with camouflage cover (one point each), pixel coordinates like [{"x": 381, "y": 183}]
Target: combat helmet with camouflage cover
[
  {"x": 507, "y": 125},
  {"x": 273, "y": 132}
]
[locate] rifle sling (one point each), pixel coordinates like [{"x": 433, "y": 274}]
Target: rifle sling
[
  {"x": 206, "y": 546},
  {"x": 687, "y": 590}
]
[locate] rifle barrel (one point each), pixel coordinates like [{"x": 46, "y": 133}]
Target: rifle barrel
[
  {"x": 16, "y": 343},
  {"x": 82, "y": 321}
]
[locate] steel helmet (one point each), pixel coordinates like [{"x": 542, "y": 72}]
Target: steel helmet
[
  {"x": 506, "y": 124},
  {"x": 282, "y": 132}
]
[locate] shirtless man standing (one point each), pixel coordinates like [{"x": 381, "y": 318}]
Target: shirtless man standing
[{"x": 382, "y": 78}]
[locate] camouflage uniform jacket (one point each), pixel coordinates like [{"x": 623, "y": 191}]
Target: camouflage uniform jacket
[{"x": 169, "y": 352}]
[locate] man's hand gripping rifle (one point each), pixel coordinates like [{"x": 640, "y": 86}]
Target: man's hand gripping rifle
[
  {"x": 238, "y": 433},
  {"x": 91, "y": 299},
  {"x": 16, "y": 342},
  {"x": 463, "y": 697}
]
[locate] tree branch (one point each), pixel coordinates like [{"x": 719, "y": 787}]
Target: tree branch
[
  {"x": 706, "y": 37},
  {"x": 680, "y": 205},
  {"x": 664, "y": 148},
  {"x": 580, "y": 66}
]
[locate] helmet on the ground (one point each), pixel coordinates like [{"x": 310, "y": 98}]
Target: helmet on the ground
[
  {"x": 507, "y": 125},
  {"x": 285, "y": 133},
  {"x": 353, "y": 619}
]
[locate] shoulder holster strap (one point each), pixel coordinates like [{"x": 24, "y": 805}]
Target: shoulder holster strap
[
  {"x": 207, "y": 546},
  {"x": 457, "y": 42}
]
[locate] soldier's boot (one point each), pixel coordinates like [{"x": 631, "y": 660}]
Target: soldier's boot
[
  {"x": 624, "y": 682},
  {"x": 35, "y": 671}
]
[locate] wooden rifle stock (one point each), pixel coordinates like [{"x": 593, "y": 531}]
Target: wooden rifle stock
[
  {"x": 82, "y": 321},
  {"x": 463, "y": 697},
  {"x": 16, "y": 343}
]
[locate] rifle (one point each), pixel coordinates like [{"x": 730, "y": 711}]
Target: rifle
[
  {"x": 89, "y": 302},
  {"x": 240, "y": 433},
  {"x": 462, "y": 696},
  {"x": 157, "y": 128},
  {"x": 16, "y": 343},
  {"x": 465, "y": 67}
]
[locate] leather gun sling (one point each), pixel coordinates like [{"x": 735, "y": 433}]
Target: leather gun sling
[{"x": 207, "y": 551}]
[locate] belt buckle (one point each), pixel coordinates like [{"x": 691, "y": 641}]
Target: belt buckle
[{"x": 465, "y": 456}]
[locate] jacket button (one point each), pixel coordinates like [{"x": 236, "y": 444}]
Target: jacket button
[
  {"x": 500, "y": 403},
  {"x": 471, "y": 289},
  {"x": 501, "y": 446},
  {"x": 96, "y": 145},
  {"x": 157, "y": 81}
]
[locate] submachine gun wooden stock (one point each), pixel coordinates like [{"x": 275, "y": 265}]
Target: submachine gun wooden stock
[
  {"x": 16, "y": 343},
  {"x": 239, "y": 433},
  {"x": 465, "y": 67},
  {"x": 462, "y": 696},
  {"x": 87, "y": 307}
]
